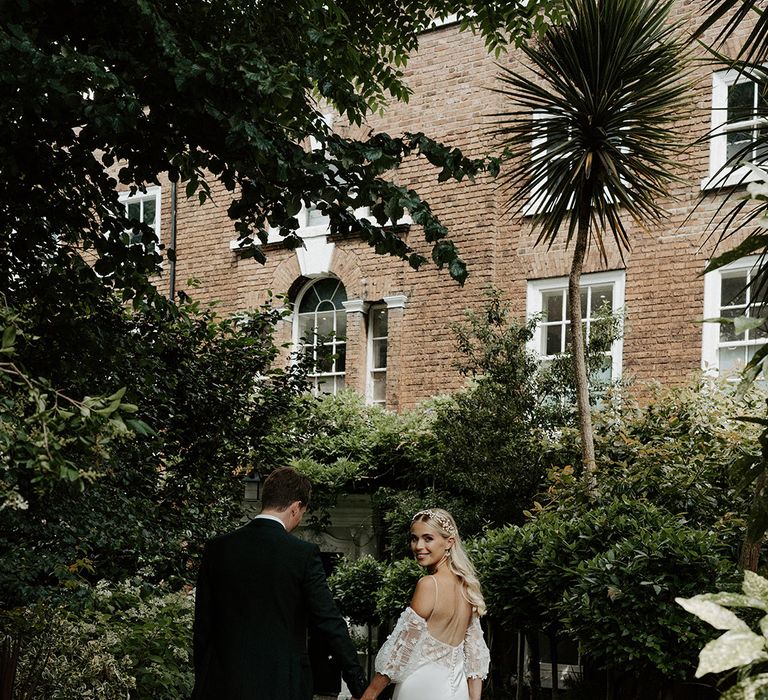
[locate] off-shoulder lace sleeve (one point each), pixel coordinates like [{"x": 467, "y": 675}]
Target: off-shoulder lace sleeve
[
  {"x": 477, "y": 658},
  {"x": 402, "y": 646}
]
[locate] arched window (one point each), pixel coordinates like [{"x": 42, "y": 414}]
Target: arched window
[{"x": 321, "y": 327}]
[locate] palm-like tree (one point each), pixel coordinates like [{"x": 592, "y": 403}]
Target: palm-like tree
[
  {"x": 593, "y": 129},
  {"x": 732, "y": 13}
]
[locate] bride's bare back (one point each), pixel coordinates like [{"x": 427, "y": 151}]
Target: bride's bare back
[{"x": 439, "y": 600}]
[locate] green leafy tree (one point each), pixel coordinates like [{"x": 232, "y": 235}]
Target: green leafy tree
[
  {"x": 233, "y": 92},
  {"x": 207, "y": 388},
  {"x": 46, "y": 436},
  {"x": 608, "y": 85}
]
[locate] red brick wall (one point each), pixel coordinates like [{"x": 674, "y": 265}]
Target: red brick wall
[{"x": 452, "y": 77}]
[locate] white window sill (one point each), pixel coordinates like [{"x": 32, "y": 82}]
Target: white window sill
[{"x": 742, "y": 175}]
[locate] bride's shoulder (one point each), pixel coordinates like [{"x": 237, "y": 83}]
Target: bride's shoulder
[{"x": 423, "y": 601}]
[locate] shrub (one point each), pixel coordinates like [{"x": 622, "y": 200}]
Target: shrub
[
  {"x": 354, "y": 585},
  {"x": 605, "y": 576},
  {"x": 123, "y": 641},
  {"x": 620, "y": 605},
  {"x": 397, "y": 588}
]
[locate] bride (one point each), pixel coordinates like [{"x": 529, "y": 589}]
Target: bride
[{"x": 436, "y": 651}]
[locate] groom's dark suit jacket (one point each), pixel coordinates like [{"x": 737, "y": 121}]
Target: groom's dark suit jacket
[{"x": 258, "y": 591}]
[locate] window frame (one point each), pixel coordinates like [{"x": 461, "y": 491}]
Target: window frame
[
  {"x": 719, "y": 175},
  {"x": 534, "y": 307},
  {"x": 152, "y": 192},
  {"x": 710, "y": 337},
  {"x": 298, "y": 346},
  {"x": 371, "y": 370}
]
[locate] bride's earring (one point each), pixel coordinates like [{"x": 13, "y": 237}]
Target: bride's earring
[{"x": 448, "y": 552}]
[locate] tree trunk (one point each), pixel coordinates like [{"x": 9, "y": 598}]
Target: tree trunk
[
  {"x": 9, "y": 660},
  {"x": 581, "y": 379}
]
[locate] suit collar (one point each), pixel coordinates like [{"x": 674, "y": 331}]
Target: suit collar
[{"x": 268, "y": 522}]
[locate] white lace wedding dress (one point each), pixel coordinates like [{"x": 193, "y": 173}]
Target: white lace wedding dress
[{"x": 426, "y": 668}]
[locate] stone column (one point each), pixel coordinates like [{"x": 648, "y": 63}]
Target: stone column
[
  {"x": 357, "y": 345},
  {"x": 395, "y": 311}
]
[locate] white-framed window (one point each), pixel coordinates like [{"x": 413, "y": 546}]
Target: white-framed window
[
  {"x": 378, "y": 340},
  {"x": 548, "y": 298},
  {"x": 144, "y": 207},
  {"x": 320, "y": 328},
  {"x": 739, "y": 109},
  {"x": 539, "y": 197},
  {"x": 728, "y": 294}
]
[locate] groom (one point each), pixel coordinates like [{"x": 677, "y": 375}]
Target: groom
[{"x": 258, "y": 591}]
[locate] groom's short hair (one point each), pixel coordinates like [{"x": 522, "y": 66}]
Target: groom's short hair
[{"x": 284, "y": 486}]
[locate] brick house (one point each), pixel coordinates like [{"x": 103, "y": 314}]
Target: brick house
[{"x": 397, "y": 346}]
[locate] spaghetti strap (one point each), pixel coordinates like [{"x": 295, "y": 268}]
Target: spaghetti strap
[{"x": 434, "y": 578}]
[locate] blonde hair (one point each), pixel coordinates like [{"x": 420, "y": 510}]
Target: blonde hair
[{"x": 458, "y": 562}]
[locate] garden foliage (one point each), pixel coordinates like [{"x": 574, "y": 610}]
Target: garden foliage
[
  {"x": 739, "y": 647},
  {"x": 110, "y": 641},
  {"x": 201, "y": 392}
]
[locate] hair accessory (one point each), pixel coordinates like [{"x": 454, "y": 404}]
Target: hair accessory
[{"x": 439, "y": 518}]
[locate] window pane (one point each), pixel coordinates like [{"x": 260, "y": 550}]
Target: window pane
[
  {"x": 379, "y": 323},
  {"x": 552, "y": 303},
  {"x": 739, "y": 144},
  {"x": 601, "y": 296},
  {"x": 380, "y": 353},
  {"x": 325, "y": 288},
  {"x": 379, "y": 387},
  {"x": 732, "y": 358},
  {"x": 324, "y": 359},
  {"x": 321, "y": 313},
  {"x": 341, "y": 324},
  {"x": 134, "y": 211},
  {"x": 727, "y": 332},
  {"x": 758, "y": 312},
  {"x": 325, "y": 325},
  {"x": 762, "y": 97},
  {"x": 553, "y": 339},
  {"x": 306, "y": 322},
  {"x": 761, "y": 144},
  {"x": 604, "y": 373},
  {"x": 149, "y": 212},
  {"x": 741, "y": 101},
  {"x": 339, "y": 295},
  {"x": 732, "y": 290},
  {"x": 758, "y": 289}
]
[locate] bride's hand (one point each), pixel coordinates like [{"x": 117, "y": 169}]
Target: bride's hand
[{"x": 375, "y": 687}]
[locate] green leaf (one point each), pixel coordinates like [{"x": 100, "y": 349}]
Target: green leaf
[
  {"x": 756, "y": 586},
  {"x": 732, "y": 649},
  {"x": 746, "y": 323},
  {"x": 733, "y": 600},
  {"x": 719, "y": 617},
  {"x": 9, "y": 337}
]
